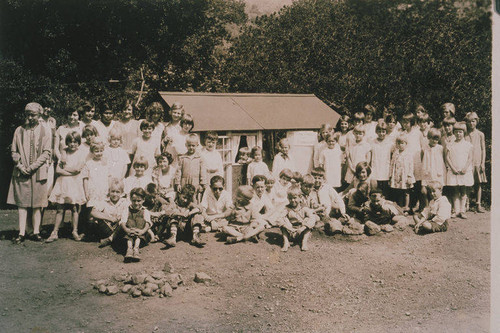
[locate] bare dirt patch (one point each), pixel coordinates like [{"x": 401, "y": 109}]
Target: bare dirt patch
[{"x": 397, "y": 282}]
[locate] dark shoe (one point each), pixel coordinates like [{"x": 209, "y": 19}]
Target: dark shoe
[
  {"x": 36, "y": 238},
  {"x": 170, "y": 242},
  {"x": 196, "y": 241},
  {"x": 20, "y": 239}
]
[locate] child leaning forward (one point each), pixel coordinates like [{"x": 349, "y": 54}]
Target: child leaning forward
[
  {"x": 245, "y": 222},
  {"x": 299, "y": 221},
  {"x": 435, "y": 217}
]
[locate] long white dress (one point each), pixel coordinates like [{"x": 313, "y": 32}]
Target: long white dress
[{"x": 331, "y": 159}]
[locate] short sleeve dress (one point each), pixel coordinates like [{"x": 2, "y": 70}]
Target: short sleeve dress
[{"x": 69, "y": 189}]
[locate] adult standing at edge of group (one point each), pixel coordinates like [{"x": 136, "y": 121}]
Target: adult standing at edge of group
[{"x": 31, "y": 149}]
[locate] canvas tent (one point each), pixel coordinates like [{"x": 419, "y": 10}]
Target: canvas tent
[{"x": 257, "y": 119}]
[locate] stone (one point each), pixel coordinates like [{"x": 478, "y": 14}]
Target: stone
[
  {"x": 174, "y": 280},
  {"x": 386, "y": 228},
  {"x": 158, "y": 275},
  {"x": 136, "y": 293},
  {"x": 126, "y": 288},
  {"x": 138, "y": 278},
  {"x": 160, "y": 283},
  {"x": 333, "y": 227},
  {"x": 112, "y": 290},
  {"x": 166, "y": 290},
  {"x": 353, "y": 228},
  {"x": 99, "y": 283},
  {"x": 150, "y": 279},
  {"x": 202, "y": 277},
  {"x": 152, "y": 286},
  {"x": 102, "y": 288},
  {"x": 371, "y": 228},
  {"x": 147, "y": 292},
  {"x": 168, "y": 268},
  {"x": 121, "y": 277}
]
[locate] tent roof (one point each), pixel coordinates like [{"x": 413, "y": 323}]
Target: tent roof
[{"x": 250, "y": 112}]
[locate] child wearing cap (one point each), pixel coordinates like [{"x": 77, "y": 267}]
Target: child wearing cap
[
  {"x": 458, "y": 158},
  {"x": 245, "y": 221},
  {"x": 476, "y": 138},
  {"x": 298, "y": 221},
  {"x": 435, "y": 217}
]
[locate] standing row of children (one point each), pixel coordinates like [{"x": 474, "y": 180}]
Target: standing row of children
[{"x": 154, "y": 181}]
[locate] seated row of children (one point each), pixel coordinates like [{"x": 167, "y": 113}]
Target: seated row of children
[{"x": 310, "y": 203}]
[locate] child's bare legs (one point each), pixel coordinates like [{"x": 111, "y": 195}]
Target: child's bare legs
[
  {"x": 286, "y": 242},
  {"x": 172, "y": 240},
  {"x": 479, "y": 192},
  {"x": 196, "y": 223},
  {"x": 152, "y": 236},
  {"x": 424, "y": 198},
  {"x": 462, "y": 193},
  {"x": 254, "y": 229},
  {"x": 75, "y": 210},
  {"x": 130, "y": 251},
  {"x": 57, "y": 224},
  {"x": 137, "y": 243},
  {"x": 456, "y": 199},
  {"x": 305, "y": 238},
  {"x": 23, "y": 217},
  {"x": 406, "y": 207},
  {"x": 234, "y": 235}
]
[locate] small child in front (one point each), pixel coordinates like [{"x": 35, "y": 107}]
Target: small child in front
[
  {"x": 135, "y": 222},
  {"x": 184, "y": 217},
  {"x": 298, "y": 222},
  {"x": 381, "y": 211},
  {"x": 245, "y": 222},
  {"x": 435, "y": 217},
  {"x": 191, "y": 169}
]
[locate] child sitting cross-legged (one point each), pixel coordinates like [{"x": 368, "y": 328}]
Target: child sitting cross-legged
[
  {"x": 434, "y": 218},
  {"x": 184, "y": 217},
  {"x": 382, "y": 212},
  {"x": 106, "y": 214},
  {"x": 298, "y": 221},
  {"x": 135, "y": 222},
  {"x": 263, "y": 202},
  {"x": 245, "y": 221},
  {"x": 216, "y": 204}
]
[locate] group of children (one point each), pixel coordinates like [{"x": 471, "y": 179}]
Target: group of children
[{"x": 145, "y": 180}]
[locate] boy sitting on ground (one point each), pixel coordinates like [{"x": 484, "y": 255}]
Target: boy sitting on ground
[
  {"x": 263, "y": 202},
  {"x": 381, "y": 212},
  {"x": 216, "y": 204},
  {"x": 434, "y": 218},
  {"x": 245, "y": 221},
  {"x": 184, "y": 217},
  {"x": 298, "y": 222}
]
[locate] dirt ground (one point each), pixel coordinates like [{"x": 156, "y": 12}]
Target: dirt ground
[{"x": 397, "y": 282}]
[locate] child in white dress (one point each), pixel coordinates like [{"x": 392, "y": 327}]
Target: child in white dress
[
  {"x": 146, "y": 146},
  {"x": 458, "y": 157},
  {"x": 324, "y": 130},
  {"x": 381, "y": 158},
  {"x": 68, "y": 192},
  {"x": 129, "y": 126},
  {"x": 257, "y": 166},
  {"x": 433, "y": 168},
  {"x": 282, "y": 159},
  {"x": 73, "y": 124},
  {"x": 117, "y": 157},
  {"x": 330, "y": 159},
  {"x": 139, "y": 179},
  {"x": 95, "y": 174},
  {"x": 476, "y": 138},
  {"x": 163, "y": 176},
  {"x": 357, "y": 151},
  {"x": 211, "y": 157}
]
